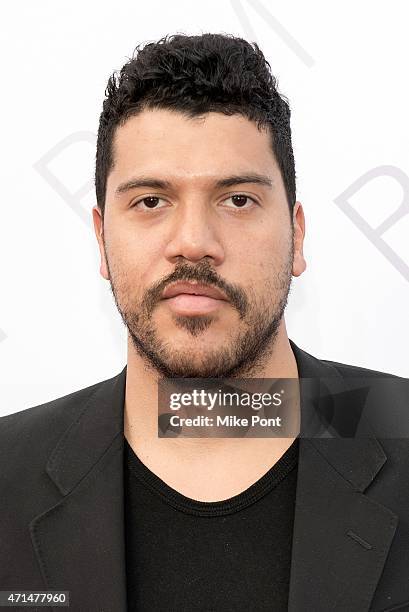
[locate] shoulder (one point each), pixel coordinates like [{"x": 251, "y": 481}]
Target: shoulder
[
  {"x": 65, "y": 405},
  {"x": 39, "y": 427},
  {"x": 311, "y": 366},
  {"x": 348, "y": 370}
]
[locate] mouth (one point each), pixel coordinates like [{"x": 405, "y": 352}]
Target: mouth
[
  {"x": 193, "y": 298},
  {"x": 188, "y": 303}
]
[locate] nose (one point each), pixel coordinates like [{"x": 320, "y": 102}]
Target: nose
[{"x": 193, "y": 235}]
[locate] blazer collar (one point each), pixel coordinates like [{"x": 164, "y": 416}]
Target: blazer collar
[
  {"x": 332, "y": 409},
  {"x": 341, "y": 537},
  {"x": 100, "y": 422}
]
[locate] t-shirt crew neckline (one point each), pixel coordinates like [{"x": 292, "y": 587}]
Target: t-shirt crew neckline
[{"x": 261, "y": 487}]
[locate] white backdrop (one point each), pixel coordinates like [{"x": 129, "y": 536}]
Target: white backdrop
[{"x": 343, "y": 66}]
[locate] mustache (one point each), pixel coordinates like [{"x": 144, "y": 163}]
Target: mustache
[{"x": 201, "y": 273}]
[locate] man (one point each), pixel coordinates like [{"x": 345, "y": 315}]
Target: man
[{"x": 200, "y": 234}]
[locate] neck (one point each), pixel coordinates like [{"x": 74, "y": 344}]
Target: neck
[{"x": 141, "y": 408}]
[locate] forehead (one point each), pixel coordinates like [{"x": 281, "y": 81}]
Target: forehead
[{"x": 165, "y": 141}]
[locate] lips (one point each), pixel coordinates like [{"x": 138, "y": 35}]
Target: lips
[{"x": 193, "y": 289}]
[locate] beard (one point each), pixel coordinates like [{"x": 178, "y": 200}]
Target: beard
[{"x": 249, "y": 344}]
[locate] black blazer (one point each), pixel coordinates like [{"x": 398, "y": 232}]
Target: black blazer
[{"x": 62, "y": 512}]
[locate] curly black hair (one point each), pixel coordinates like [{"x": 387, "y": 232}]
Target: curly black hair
[{"x": 196, "y": 75}]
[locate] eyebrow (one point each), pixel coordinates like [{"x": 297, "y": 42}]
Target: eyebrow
[{"x": 228, "y": 181}]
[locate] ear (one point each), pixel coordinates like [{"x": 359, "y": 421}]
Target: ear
[
  {"x": 299, "y": 263},
  {"x": 99, "y": 229}
]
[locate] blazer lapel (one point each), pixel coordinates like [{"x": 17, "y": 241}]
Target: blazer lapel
[
  {"x": 80, "y": 541},
  {"x": 341, "y": 537}
]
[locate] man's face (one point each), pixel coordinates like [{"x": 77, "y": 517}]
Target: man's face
[{"x": 169, "y": 217}]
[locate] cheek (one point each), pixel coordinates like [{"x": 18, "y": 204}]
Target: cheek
[
  {"x": 130, "y": 252},
  {"x": 264, "y": 248},
  {"x": 277, "y": 239},
  {"x": 132, "y": 262}
]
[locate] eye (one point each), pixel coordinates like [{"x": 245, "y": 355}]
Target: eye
[
  {"x": 151, "y": 203},
  {"x": 240, "y": 200}
]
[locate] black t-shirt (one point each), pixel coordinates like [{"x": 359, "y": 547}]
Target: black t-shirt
[{"x": 188, "y": 556}]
